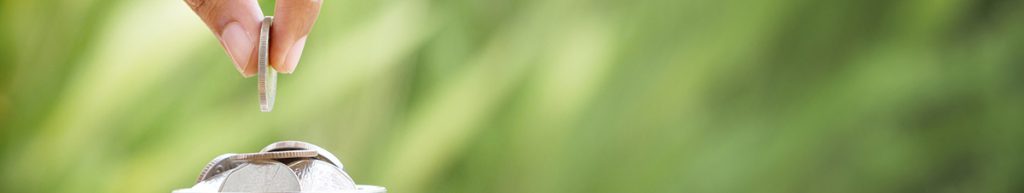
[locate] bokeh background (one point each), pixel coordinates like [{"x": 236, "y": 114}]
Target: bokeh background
[{"x": 558, "y": 96}]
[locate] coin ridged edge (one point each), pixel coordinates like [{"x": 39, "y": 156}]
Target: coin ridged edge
[
  {"x": 205, "y": 173},
  {"x": 265, "y": 86},
  {"x": 324, "y": 154},
  {"x": 275, "y": 155}
]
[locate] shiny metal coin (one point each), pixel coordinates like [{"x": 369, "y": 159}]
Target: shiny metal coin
[
  {"x": 276, "y": 155},
  {"x": 283, "y": 167},
  {"x": 319, "y": 176},
  {"x": 267, "y": 82},
  {"x": 261, "y": 176},
  {"x": 294, "y": 145},
  {"x": 219, "y": 165}
]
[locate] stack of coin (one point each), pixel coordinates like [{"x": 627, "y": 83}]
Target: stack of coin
[{"x": 286, "y": 166}]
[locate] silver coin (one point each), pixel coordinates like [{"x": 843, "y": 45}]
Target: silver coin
[
  {"x": 294, "y": 145},
  {"x": 219, "y": 165},
  {"x": 261, "y": 176},
  {"x": 319, "y": 176},
  {"x": 286, "y": 166},
  {"x": 267, "y": 75},
  {"x": 276, "y": 155}
]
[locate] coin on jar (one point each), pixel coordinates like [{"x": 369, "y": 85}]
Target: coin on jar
[
  {"x": 293, "y": 145},
  {"x": 275, "y": 155},
  {"x": 319, "y": 176},
  {"x": 218, "y": 165},
  {"x": 261, "y": 176}
]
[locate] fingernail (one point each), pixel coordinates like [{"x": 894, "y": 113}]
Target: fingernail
[
  {"x": 238, "y": 44},
  {"x": 294, "y": 53}
]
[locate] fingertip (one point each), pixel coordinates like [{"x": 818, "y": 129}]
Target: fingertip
[
  {"x": 293, "y": 20},
  {"x": 294, "y": 54},
  {"x": 236, "y": 25}
]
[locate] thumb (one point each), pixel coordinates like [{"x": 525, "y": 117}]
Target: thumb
[
  {"x": 293, "y": 19},
  {"x": 236, "y": 23}
]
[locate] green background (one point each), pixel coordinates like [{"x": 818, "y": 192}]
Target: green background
[{"x": 532, "y": 96}]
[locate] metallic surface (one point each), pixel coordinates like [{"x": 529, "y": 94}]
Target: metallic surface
[
  {"x": 286, "y": 166},
  {"x": 220, "y": 164},
  {"x": 320, "y": 176},
  {"x": 267, "y": 76},
  {"x": 261, "y": 176},
  {"x": 275, "y": 155},
  {"x": 293, "y": 145}
]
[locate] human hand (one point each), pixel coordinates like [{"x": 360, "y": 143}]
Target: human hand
[{"x": 236, "y": 23}]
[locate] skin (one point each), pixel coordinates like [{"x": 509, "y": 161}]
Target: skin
[{"x": 236, "y": 23}]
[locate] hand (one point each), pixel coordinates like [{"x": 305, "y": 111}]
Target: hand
[{"x": 236, "y": 23}]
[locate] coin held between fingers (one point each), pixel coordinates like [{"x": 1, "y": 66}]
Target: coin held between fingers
[{"x": 267, "y": 76}]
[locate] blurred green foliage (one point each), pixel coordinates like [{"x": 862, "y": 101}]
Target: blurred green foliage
[{"x": 532, "y": 96}]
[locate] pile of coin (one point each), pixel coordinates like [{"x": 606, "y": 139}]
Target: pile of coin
[{"x": 286, "y": 166}]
